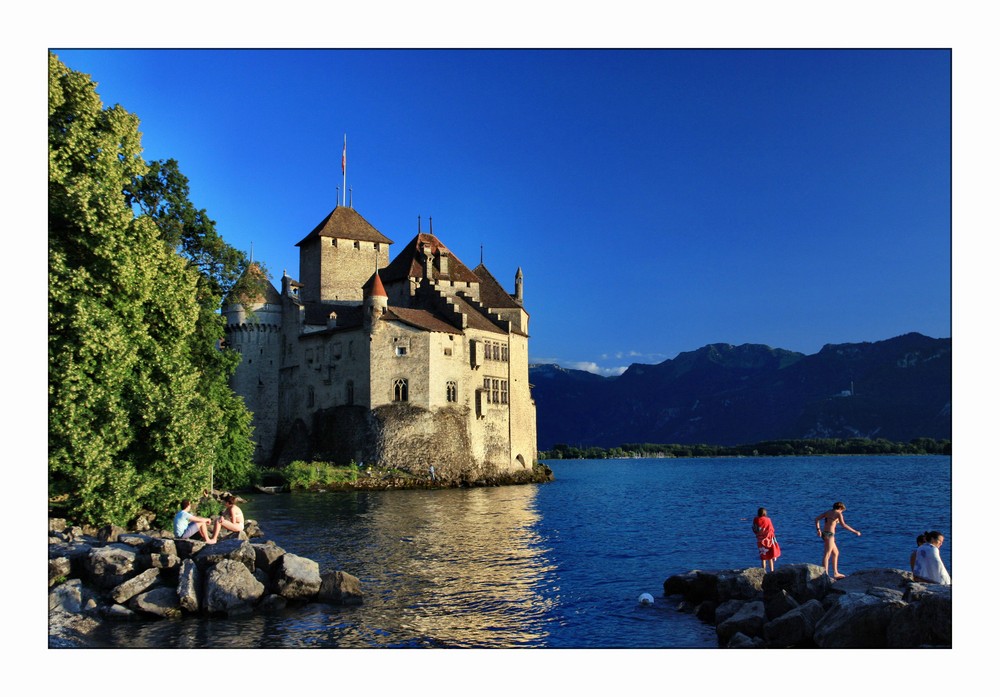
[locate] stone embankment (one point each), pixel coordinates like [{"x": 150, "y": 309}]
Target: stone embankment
[
  {"x": 800, "y": 606},
  {"x": 112, "y": 574}
]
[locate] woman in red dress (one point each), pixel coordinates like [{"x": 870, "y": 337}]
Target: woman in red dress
[{"x": 767, "y": 545}]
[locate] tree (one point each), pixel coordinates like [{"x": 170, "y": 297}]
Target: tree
[{"x": 133, "y": 417}]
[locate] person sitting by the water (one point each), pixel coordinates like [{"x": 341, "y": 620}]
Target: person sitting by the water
[
  {"x": 186, "y": 524},
  {"x": 913, "y": 554},
  {"x": 830, "y": 552},
  {"x": 767, "y": 544},
  {"x": 231, "y": 519},
  {"x": 928, "y": 567}
]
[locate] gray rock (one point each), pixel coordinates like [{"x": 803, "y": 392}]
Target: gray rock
[
  {"x": 743, "y": 584},
  {"x": 67, "y": 597},
  {"x": 233, "y": 549},
  {"x": 135, "y": 585},
  {"x": 296, "y": 578},
  {"x": 162, "y": 545},
  {"x": 143, "y": 521},
  {"x": 252, "y": 529},
  {"x": 777, "y": 604},
  {"x": 70, "y": 630},
  {"x": 857, "y": 620},
  {"x": 272, "y": 603},
  {"x": 748, "y": 620},
  {"x": 268, "y": 554},
  {"x": 705, "y": 611},
  {"x": 59, "y": 570},
  {"x": 142, "y": 543},
  {"x": 109, "y": 533},
  {"x": 924, "y": 622},
  {"x": 57, "y": 524},
  {"x": 159, "y": 602},
  {"x": 803, "y": 582},
  {"x": 795, "y": 627},
  {"x": 742, "y": 641},
  {"x": 188, "y": 584},
  {"x": 189, "y": 547},
  {"x": 231, "y": 589},
  {"x": 694, "y": 585},
  {"x": 120, "y": 613},
  {"x": 110, "y": 566},
  {"x": 166, "y": 562},
  {"x": 340, "y": 588},
  {"x": 866, "y": 579},
  {"x": 727, "y": 609}
]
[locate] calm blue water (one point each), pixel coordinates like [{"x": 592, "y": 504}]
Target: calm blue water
[{"x": 562, "y": 564}]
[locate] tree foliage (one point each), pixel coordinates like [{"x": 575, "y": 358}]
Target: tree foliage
[
  {"x": 775, "y": 448},
  {"x": 139, "y": 411}
]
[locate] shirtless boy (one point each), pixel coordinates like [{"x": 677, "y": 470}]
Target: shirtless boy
[{"x": 828, "y": 532}]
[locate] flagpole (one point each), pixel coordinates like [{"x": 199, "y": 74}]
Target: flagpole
[{"x": 343, "y": 167}]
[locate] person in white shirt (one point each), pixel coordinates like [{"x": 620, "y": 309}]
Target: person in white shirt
[{"x": 928, "y": 566}]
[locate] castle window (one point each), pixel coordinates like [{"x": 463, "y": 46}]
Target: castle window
[
  {"x": 400, "y": 390},
  {"x": 350, "y": 392},
  {"x": 401, "y": 350},
  {"x": 452, "y": 390},
  {"x": 333, "y": 242},
  {"x": 503, "y": 392},
  {"x": 311, "y": 401},
  {"x": 486, "y": 389},
  {"x": 337, "y": 348},
  {"x": 357, "y": 245},
  {"x": 504, "y": 355},
  {"x": 377, "y": 246},
  {"x": 447, "y": 351},
  {"x": 495, "y": 395}
]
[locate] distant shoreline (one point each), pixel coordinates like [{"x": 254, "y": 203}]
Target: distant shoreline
[{"x": 772, "y": 448}]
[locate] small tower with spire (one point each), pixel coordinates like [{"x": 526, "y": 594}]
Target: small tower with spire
[
  {"x": 519, "y": 287},
  {"x": 376, "y": 302}
]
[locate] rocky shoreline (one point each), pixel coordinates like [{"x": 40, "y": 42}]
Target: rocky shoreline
[
  {"x": 112, "y": 574},
  {"x": 799, "y": 606}
]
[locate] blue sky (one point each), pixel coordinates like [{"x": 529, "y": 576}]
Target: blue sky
[{"x": 656, "y": 200}]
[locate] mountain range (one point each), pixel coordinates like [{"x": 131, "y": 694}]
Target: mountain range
[{"x": 898, "y": 389}]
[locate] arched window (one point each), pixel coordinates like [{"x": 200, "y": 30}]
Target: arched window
[
  {"x": 349, "y": 400},
  {"x": 400, "y": 390},
  {"x": 452, "y": 389}
]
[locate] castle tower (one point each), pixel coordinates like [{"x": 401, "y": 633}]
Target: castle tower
[
  {"x": 253, "y": 329},
  {"x": 336, "y": 258},
  {"x": 519, "y": 287},
  {"x": 376, "y": 302}
]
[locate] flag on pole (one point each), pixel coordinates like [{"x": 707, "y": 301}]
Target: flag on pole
[{"x": 343, "y": 157}]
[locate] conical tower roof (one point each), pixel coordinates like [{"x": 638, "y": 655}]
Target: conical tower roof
[{"x": 346, "y": 224}]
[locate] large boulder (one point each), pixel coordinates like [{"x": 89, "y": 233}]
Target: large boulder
[
  {"x": 110, "y": 532},
  {"x": 748, "y": 620},
  {"x": 233, "y": 549},
  {"x": 59, "y": 570},
  {"x": 159, "y": 602},
  {"x": 267, "y": 555},
  {"x": 777, "y": 604},
  {"x": 187, "y": 548},
  {"x": 135, "y": 585},
  {"x": 340, "y": 588},
  {"x": 296, "y": 578},
  {"x": 109, "y": 566},
  {"x": 188, "y": 585},
  {"x": 76, "y": 551},
  {"x": 866, "y": 579},
  {"x": 230, "y": 588},
  {"x": 163, "y": 545},
  {"x": 71, "y": 597},
  {"x": 718, "y": 586},
  {"x": 803, "y": 582},
  {"x": 857, "y": 621},
  {"x": 142, "y": 543},
  {"x": 923, "y": 622},
  {"x": 795, "y": 627}
]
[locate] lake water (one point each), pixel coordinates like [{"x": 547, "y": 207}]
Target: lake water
[{"x": 562, "y": 564}]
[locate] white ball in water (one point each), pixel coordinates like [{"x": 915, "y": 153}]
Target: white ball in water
[{"x": 645, "y": 599}]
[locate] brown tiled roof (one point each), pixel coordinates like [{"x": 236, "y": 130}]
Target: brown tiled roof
[
  {"x": 421, "y": 319},
  {"x": 377, "y": 289},
  {"x": 408, "y": 263},
  {"x": 346, "y": 224},
  {"x": 491, "y": 293},
  {"x": 476, "y": 319}
]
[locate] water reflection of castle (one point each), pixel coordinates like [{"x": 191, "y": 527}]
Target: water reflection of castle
[{"x": 467, "y": 564}]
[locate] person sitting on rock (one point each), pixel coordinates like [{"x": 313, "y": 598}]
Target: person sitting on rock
[
  {"x": 186, "y": 524},
  {"x": 231, "y": 519},
  {"x": 929, "y": 568}
]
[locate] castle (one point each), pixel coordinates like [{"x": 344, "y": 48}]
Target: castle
[{"x": 407, "y": 364}]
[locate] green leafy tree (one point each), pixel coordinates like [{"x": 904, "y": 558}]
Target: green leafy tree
[{"x": 133, "y": 420}]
